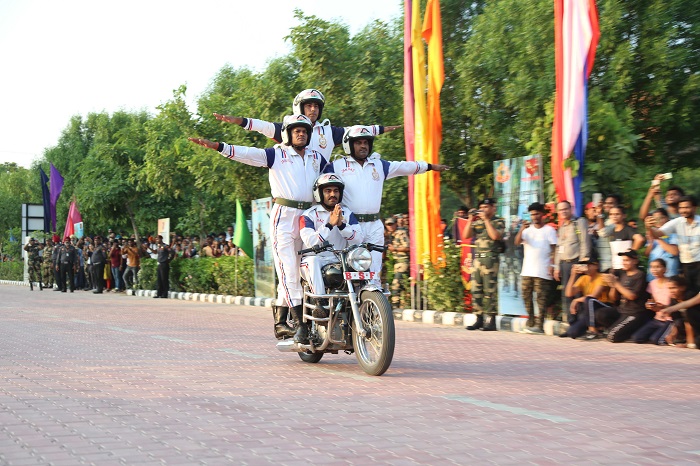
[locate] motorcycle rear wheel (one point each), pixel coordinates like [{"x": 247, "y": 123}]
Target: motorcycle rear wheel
[
  {"x": 308, "y": 356},
  {"x": 375, "y": 352}
]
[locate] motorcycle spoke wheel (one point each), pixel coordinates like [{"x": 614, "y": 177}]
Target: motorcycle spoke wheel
[{"x": 375, "y": 350}]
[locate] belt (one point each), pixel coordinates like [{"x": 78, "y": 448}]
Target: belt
[
  {"x": 293, "y": 204},
  {"x": 570, "y": 260},
  {"x": 485, "y": 254},
  {"x": 367, "y": 217}
]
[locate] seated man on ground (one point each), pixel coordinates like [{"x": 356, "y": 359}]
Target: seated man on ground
[{"x": 590, "y": 292}]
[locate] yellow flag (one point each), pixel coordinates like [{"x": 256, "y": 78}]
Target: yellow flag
[
  {"x": 420, "y": 186},
  {"x": 432, "y": 33}
]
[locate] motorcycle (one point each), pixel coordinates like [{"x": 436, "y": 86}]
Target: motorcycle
[{"x": 353, "y": 315}]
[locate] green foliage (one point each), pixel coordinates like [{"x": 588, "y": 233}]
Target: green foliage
[
  {"x": 222, "y": 275},
  {"x": 12, "y": 270},
  {"x": 445, "y": 287}
]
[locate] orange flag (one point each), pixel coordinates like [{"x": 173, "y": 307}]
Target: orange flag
[{"x": 432, "y": 33}]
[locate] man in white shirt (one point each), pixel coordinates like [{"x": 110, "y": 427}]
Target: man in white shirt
[
  {"x": 326, "y": 221},
  {"x": 364, "y": 177},
  {"x": 539, "y": 241},
  {"x": 687, "y": 230},
  {"x": 309, "y": 102},
  {"x": 293, "y": 170}
]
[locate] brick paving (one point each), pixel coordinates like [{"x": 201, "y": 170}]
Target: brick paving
[{"x": 113, "y": 379}]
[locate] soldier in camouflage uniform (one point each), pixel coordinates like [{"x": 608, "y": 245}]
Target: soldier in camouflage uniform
[
  {"x": 47, "y": 265},
  {"x": 487, "y": 231},
  {"x": 33, "y": 263},
  {"x": 399, "y": 248}
]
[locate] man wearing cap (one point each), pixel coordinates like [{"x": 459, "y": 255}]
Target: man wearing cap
[
  {"x": 487, "y": 230},
  {"x": 399, "y": 247},
  {"x": 572, "y": 245},
  {"x": 67, "y": 265},
  {"x": 587, "y": 292},
  {"x": 98, "y": 259},
  {"x": 630, "y": 288},
  {"x": 33, "y": 263},
  {"x": 47, "y": 265},
  {"x": 539, "y": 242}
]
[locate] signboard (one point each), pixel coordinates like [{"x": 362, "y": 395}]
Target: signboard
[
  {"x": 164, "y": 229},
  {"x": 78, "y": 228},
  {"x": 518, "y": 183},
  {"x": 262, "y": 244}
]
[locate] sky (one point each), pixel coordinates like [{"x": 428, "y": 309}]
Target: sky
[{"x": 73, "y": 57}]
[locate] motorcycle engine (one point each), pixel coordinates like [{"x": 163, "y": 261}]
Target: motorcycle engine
[{"x": 332, "y": 275}]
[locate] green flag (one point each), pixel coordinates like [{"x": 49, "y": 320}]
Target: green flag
[{"x": 242, "y": 237}]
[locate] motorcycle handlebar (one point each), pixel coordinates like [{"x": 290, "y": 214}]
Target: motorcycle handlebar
[
  {"x": 328, "y": 246},
  {"x": 318, "y": 248},
  {"x": 376, "y": 247}
]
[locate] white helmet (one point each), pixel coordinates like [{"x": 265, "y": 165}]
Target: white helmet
[
  {"x": 354, "y": 133},
  {"x": 292, "y": 121},
  {"x": 306, "y": 96},
  {"x": 325, "y": 180}
]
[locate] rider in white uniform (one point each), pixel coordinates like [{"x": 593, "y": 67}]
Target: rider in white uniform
[
  {"x": 326, "y": 221},
  {"x": 309, "y": 102},
  {"x": 293, "y": 170},
  {"x": 364, "y": 176}
]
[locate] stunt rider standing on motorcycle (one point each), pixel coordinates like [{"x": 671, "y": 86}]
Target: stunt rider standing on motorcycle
[
  {"x": 326, "y": 221},
  {"x": 293, "y": 171},
  {"x": 364, "y": 176}
]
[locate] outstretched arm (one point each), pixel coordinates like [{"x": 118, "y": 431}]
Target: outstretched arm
[
  {"x": 271, "y": 130},
  {"x": 247, "y": 155}
]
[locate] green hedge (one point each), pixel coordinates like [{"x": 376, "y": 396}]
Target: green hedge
[
  {"x": 13, "y": 270},
  {"x": 222, "y": 275}
]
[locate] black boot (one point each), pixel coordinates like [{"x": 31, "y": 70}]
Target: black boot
[
  {"x": 282, "y": 330},
  {"x": 302, "y": 334},
  {"x": 478, "y": 324},
  {"x": 490, "y": 325}
]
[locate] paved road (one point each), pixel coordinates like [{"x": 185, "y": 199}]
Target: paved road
[{"x": 112, "y": 379}]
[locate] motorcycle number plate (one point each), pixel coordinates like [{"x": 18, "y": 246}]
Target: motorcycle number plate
[{"x": 360, "y": 275}]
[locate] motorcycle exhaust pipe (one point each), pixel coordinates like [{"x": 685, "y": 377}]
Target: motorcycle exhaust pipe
[{"x": 287, "y": 346}]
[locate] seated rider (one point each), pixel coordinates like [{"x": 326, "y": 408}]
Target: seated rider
[{"x": 325, "y": 221}]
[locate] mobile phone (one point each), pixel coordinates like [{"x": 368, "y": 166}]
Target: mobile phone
[
  {"x": 597, "y": 198},
  {"x": 667, "y": 176}
]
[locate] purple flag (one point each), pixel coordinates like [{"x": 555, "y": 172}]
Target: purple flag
[
  {"x": 56, "y": 182},
  {"x": 46, "y": 197}
]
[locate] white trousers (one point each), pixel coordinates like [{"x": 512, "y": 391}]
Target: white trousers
[
  {"x": 284, "y": 231},
  {"x": 374, "y": 233},
  {"x": 311, "y": 271}
]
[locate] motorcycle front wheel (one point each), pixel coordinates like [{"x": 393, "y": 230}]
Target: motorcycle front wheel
[{"x": 374, "y": 350}]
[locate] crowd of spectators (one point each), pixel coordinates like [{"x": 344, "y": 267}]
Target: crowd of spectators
[
  {"x": 122, "y": 258},
  {"x": 620, "y": 279}
]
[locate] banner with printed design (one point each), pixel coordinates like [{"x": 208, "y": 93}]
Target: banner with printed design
[
  {"x": 264, "y": 267},
  {"x": 518, "y": 183}
]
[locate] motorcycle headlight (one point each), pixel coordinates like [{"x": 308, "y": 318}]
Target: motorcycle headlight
[{"x": 359, "y": 259}]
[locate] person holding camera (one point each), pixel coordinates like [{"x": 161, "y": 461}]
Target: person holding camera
[
  {"x": 630, "y": 288},
  {"x": 539, "y": 242},
  {"x": 487, "y": 230},
  {"x": 588, "y": 293}
]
